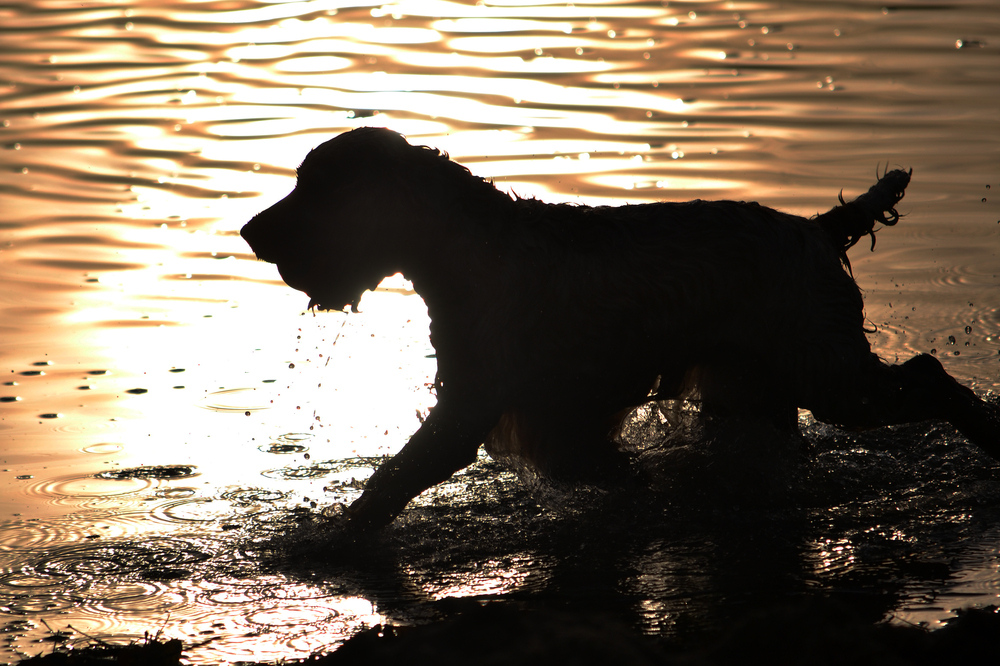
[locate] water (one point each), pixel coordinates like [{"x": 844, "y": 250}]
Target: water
[{"x": 138, "y": 332}]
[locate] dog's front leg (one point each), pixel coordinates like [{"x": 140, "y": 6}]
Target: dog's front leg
[{"x": 447, "y": 441}]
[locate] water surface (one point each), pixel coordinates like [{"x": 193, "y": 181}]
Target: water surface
[{"x": 168, "y": 405}]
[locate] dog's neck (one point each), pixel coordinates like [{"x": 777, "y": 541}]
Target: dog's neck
[{"x": 462, "y": 235}]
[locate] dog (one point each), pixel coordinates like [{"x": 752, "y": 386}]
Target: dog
[{"x": 552, "y": 321}]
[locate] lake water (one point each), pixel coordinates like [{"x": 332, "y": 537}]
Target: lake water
[{"x": 169, "y": 409}]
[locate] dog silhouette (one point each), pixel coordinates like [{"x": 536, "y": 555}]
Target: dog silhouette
[{"x": 551, "y": 321}]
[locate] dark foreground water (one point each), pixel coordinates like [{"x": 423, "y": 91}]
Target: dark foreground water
[{"x": 171, "y": 418}]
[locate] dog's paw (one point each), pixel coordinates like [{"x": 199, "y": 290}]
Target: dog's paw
[
  {"x": 335, "y": 514},
  {"x": 340, "y": 523}
]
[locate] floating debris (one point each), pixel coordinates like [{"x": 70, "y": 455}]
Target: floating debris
[{"x": 150, "y": 472}]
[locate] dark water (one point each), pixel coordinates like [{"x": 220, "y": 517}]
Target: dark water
[{"x": 137, "y": 331}]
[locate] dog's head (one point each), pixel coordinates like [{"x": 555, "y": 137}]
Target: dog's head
[{"x": 341, "y": 229}]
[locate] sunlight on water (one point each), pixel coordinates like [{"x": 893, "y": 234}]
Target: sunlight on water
[{"x": 166, "y": 399}]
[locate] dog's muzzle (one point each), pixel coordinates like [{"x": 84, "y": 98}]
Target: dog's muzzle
[{"x": 253, "y": 233}]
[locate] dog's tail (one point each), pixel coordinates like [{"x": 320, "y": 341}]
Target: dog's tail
[{"x": 848, "y": 223}]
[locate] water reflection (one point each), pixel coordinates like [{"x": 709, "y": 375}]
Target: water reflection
[{"x": 137, "y": 140}]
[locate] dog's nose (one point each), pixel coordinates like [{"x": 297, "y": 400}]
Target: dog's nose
[
  {"x": 255, "y": 233},
  {"x": 247, "y": 232},
  {"x": 250, "y": 232}
]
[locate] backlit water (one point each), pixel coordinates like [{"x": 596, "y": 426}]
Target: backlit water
[{"x": 138, "y": 331}]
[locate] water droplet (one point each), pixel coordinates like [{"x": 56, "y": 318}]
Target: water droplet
[
  {"x": 951, "y": 339},
  {"x": 968, "y": 330}
]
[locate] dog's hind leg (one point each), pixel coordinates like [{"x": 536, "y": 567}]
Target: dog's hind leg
[
  {"x": 446, "y": 442},
  {"x": 917, "y": 390}
]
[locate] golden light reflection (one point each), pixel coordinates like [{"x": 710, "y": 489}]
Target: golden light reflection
[
  {"x": 513, "y": 43},
  {"x": 498, "y": 25},
  {"x": 313, "y": 64},
  {"x": 504, "y": 64},
  {"x": 491, "y": 578},
  {"x": 834, "y": 555},
  {"x": 262, "y": 14},
  {"x": 137, "y": 140},
  {"x": 444, "y": 9},
  {"x": 524, "y": 91}
]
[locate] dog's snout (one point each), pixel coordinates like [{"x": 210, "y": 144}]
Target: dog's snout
[
  {"x": 262, "y": 233},
  {"x": 253, "y": 233},
  {"x": 249, "y": 232}
]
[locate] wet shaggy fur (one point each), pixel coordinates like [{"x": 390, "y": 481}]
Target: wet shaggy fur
[{"x": 551, "y": 321}]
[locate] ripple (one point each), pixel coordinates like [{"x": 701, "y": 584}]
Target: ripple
[
  {"x": 78, "y": 423},
  {"x": 294, "y": 437},
  {"x": 176, "y": 493},
  {"x": 255, "y": 590},
  {"x": 103, "y": 449},
  {"x": 278, "y": 519},
  {"x": 959, "y": 273},
  {"x": 99, "y": 577},
  {"x": 135, "y": 596},
  {"x": 236, "y": 400},
  {"x": 91, "y": 486},
  {"x": 303, "y": 472},
  {"x": 291, "y": 616},
  {"x": 89, "y": 561},
  {"x": 37, "y": 534},
  {"x": 291, "y": 442},
  {"x": 282, "y": 449},
  {"x": 253, "y": 496},
  {"x": 193, "y": 510},
  {"x": 37, "y": 603},
  {"x": 28, "y": 582}
]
